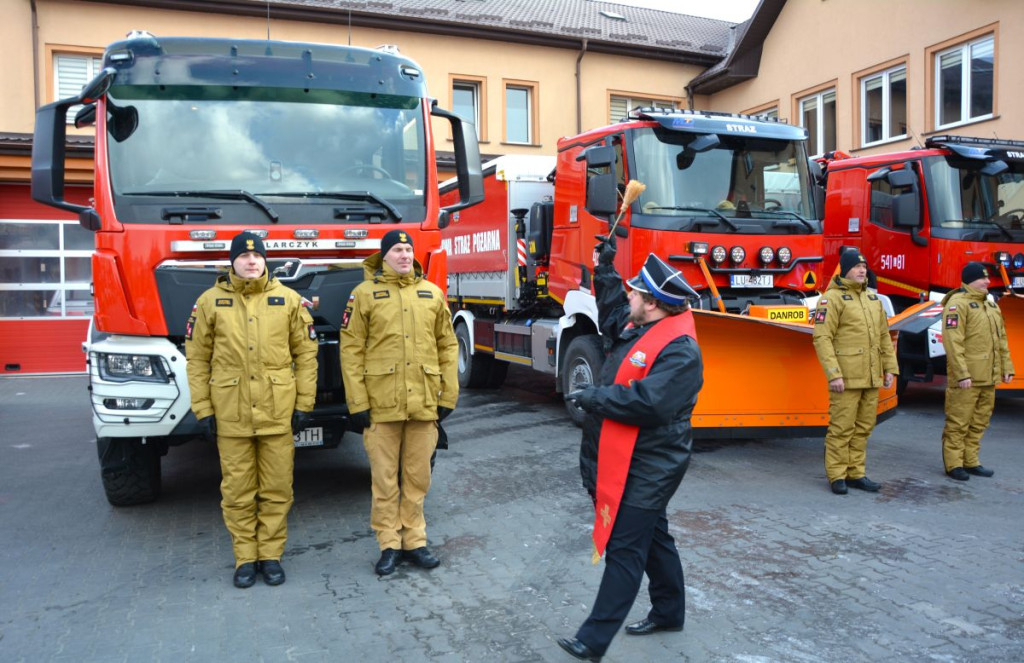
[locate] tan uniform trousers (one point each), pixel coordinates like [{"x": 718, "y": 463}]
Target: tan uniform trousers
[
  {"x": 851, "y": 418},
  {"x": 396, "y": 510},
  {"x": 968, "y": 412},
  {"x": 256, "y": 493}
]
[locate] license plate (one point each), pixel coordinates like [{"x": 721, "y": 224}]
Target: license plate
[
  {"x": 749, "y": 281},
  {"x": 310, "y": 437},
  {"x": 1018, "y": 282}
]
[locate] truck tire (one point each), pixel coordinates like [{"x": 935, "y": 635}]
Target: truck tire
[
  {"x": 583, "y": 361},
  {"x": 474, "y": 368},
  {"x": 496, "y": 376},
  {"x": 130, "y": 470}
]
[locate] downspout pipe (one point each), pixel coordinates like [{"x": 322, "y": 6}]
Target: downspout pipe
[
  {"x": 35, "y": 50},
  {"x": 579, "y": 89}
]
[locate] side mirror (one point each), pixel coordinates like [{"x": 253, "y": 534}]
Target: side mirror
[
  {"x": 602, "y": 195},
  {"x": 704, "y": 143},
  {"x": 599, "y": 156},
  {"x": 468, "y": 168}
]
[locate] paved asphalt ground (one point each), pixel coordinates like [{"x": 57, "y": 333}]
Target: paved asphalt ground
[{"x": 778, "y": 568}]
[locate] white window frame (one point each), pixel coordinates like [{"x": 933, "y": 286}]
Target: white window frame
[
  {"x": 529, "y": 90},
  {"x": 965, "y": 82},
  {"x": 632, "y": 102},
  {"x": 819, "y": 99},
  {"x": 61, "y": 286},
  {"x": 62, "y": 87},
  {"x": 886, "y": 77},
  {"x": 474, "y": 88}
]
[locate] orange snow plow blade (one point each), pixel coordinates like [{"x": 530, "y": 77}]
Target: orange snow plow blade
[
  {"x": 762, "y": 379},
  {"x": 1013, "y": 317}
]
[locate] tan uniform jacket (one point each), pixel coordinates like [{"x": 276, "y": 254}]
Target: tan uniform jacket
[
  {"x": 974, "y": 338},
  {"x": 399, "y": 355},
  {"x": 251, "y": 351},
  {"x": 851, "y": 336}
]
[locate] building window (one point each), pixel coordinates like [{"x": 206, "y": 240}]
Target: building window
[
  {"x": 520, "y": 112},
  {"x": 71, "y": 73},
  {"x": 818, "y": 116},
  {"x": 45, "y": 270},
  {"x": 469, "y": 99},
  {"x": 621, "y": 105},
  {"x": 964, "y": 82},
  {"x": 883, "y": 106}
]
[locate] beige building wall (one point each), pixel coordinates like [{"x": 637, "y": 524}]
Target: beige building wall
[
  {"x": 86, "y": 28},
  {"x": 817, "y": 44}
]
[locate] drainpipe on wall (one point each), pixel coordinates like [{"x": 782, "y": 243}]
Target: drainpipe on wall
[
  {"x": 579, "y": 92},
  {"x": 35, "y": 51},
  {"x": 689, "y": 97}
]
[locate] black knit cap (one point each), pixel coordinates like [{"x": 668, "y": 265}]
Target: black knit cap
[
  {"x": 247, "y": 241},
  {"x": 393, "y": 237},
  {"x": 973, "y": 271},
  {"x": 848, "y": 259}
]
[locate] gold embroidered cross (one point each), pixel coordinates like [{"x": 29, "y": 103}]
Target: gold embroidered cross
[{"x": 606, "y": 516}]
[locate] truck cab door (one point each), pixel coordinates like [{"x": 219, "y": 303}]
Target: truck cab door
[{"x": 894, "y": 235}]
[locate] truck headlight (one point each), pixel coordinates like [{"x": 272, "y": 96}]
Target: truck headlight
[
  {"x": 1018, "y": 261},
  {"x": 123, "y": 368},
  {"x": 785, "y": 255}
]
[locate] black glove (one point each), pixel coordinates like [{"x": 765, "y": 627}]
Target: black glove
[
  {"x": 300, "y": 420},
  {"x": 582, "y": 398},
  {"x": 360, "y": 420},
  {"x": 208, "y": 428},
  {"x": 443, "y": 412},
  {"x": 606, "y": 249}
]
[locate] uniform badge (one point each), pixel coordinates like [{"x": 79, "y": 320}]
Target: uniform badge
[
  {"x": 848, "y": 298},
  {"x": 381, "y": 294},
  {"x": 225, "y": 302},
  {"x": 638, "y": 359},
  {"x": 822, "y": 302},
  {"x": 952, "y": 322},
  {"x": 275, "y": 301},
  {"x": 974, "y": 304},
  {"x": 312, "y": 332},
  {"x": 873, "y": 297},
  {"x": 425, "y": 294},
  {"x": 345, "y": 317},
  {"x": 195, "y": 307},
  {"x": 188, "y": 327},
  {"x": 310, "y": 305},
  {"x": 952, "y": 307},
  {"x": 819, "y": 316},
  {"x": 992, "y": 304}
]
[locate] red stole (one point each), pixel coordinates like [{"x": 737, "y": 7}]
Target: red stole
[{"x": 615, "y": 446}]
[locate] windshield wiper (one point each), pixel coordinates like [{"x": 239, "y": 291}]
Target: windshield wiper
[
  {"x": 347, "y": 195},
  {"x": 238, "y": 194},
  {"x": 990, "y": 222},
  {"x": 713, "y": 212},
  {"x": 790, "y": 214}
]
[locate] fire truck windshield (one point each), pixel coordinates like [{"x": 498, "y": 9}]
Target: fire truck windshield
[
  {"x": 317, "y": 149},
  {"x": 758, "y": 185},
  {"x": 966, "y": 204}
]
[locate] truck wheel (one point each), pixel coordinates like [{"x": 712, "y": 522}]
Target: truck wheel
[
  {"x": 583, "y": 360},
  {"x": 474, "y": 368},
  {"x": 496, "y": 376},
  {"x": 130, "y": 470}
]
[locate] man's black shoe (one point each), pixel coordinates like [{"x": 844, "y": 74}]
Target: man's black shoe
[
  {"x": 959, "y": 474},
  {"x": 864, "y": 483},
  {"x": 245, "y": 575},
  {"x": 578, "y": 649},
  {"x": 273, "y": 572},
  {"x": 839, "y": 487},
  {"x": 387, "y": 562},
  {"x": 646, "y": 626},
  {"x": 979, "y": 471},
  {"x": 422, "y": 558}
]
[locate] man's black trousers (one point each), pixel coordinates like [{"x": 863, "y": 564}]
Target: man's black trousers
[{"x": 640, "y": 543}]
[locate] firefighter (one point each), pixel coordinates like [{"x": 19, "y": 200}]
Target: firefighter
[
  {"x": 851, "y": 338},
  {"x": 636, "y": 446},
  {"x": 977, "y": 357},
  {"x": 400, "y": 367},
  {"x": 252, "y": 366}
]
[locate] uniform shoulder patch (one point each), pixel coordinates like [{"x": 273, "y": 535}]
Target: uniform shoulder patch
[
  {"x": 873, "y": 297},
  {"x": 275, "y": 301},
  {"x": 425, "y": 294},
  {"x": 848, "y": 297},
  {"x": 974, "y": 304},
  {"x": 381, "y": 294},
  {"x": 819, "y": 315},
  {"x": 951, "y": 307},
  {"x": 952, "y": 321},
  {"x": 189, "y": 325},
  {"x": 822, "y": 302},
  {"x": 312, "y": 332},
  {"x": 345, "y": 317},
  {"x": 992, "y": 304},
  {"x": 225, "y": 301}
]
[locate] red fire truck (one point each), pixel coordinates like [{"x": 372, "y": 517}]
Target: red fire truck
[
  {"x": 729, "y": 200},
  {"x": 319, "y": 149},
  {"x": 920, "y": 216}
]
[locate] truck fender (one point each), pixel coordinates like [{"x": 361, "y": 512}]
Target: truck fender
[
  {"x": 580, "y": 317},
  {"x": 468, "y": 318}
]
